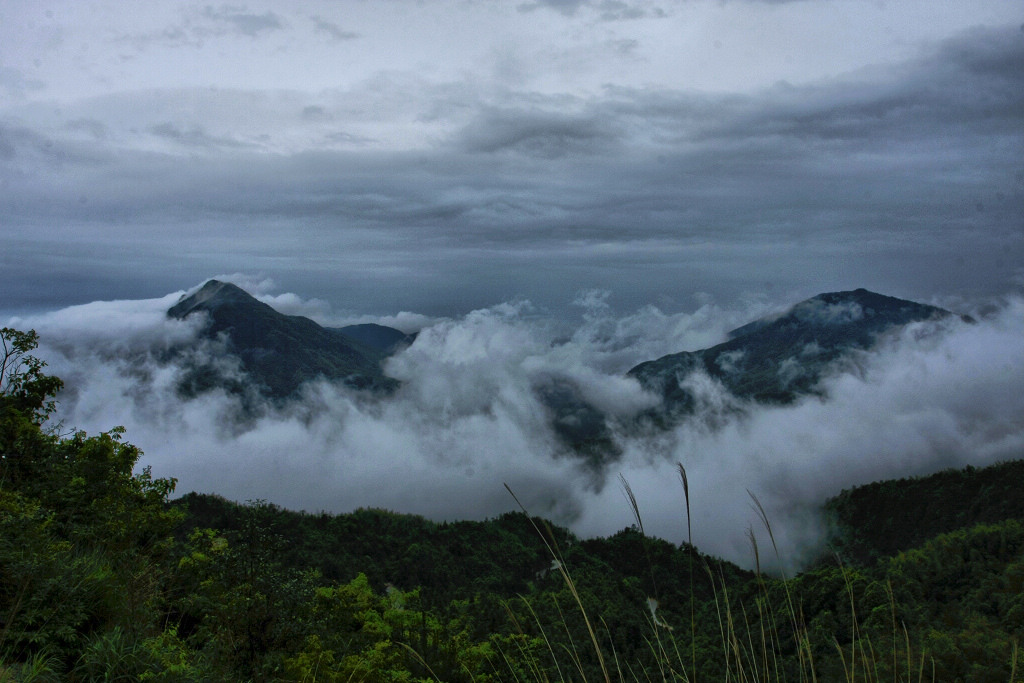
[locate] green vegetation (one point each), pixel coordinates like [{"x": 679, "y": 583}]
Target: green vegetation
[
  {"x": 928, "y": 506},
  {"x": 102, "y": 578}
]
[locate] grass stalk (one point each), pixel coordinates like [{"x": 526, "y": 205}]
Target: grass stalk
[
  {"x": 544, "y": 635},
  {"x": 799, "y": 632},
  {"x": 570, "y": 584},
  {"x": 718, "y": 611},
  {"x": 689, "y": 543}
]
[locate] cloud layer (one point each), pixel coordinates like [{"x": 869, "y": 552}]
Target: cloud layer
[
  {"x": 454, "y": 179},
  {"x": 468, "y": 419}
]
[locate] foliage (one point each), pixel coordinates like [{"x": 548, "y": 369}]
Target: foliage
[
  {"x": 102, "y": 579},
  {"x": 84, "y": 538},
  {"x": 939, "y": 503},
  {"x": 23, "y": 385}
]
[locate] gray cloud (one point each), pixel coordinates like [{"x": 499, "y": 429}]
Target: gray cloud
[
  {"x": 543, "y": 134},
  {"x": 315, "y": 113},
  {"x": 16, "y": 84},
  {"x": 241, "y": 20},
  {"x": 615, "y": 10},
  {"x": 28, "y": 149},
  {"x": 971, "y": 84},
  {"x": 566, "y": 7},
  {"x": 194, "y": 137},
  {"x": 94, "y": 128},
  {"x": 332, "y": 30},
  {"x": 606, "y": 10},
  {"x": 200, "y": 24},
  {"x": 907, "y": 181}
]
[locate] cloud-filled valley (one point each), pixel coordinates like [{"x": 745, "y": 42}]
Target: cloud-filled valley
[{"x": 467, "y": 417}]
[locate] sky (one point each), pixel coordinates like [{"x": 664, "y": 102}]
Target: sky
[
  {"x": 442, "y": 156},
  {"x": 545, "y": 189}
]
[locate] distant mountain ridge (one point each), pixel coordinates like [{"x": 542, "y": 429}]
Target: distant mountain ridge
[
  {"x": 280, "y": 352},
  {"x": 777, "y": 359}
]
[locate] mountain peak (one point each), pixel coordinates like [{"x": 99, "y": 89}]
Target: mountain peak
[
  {"x": 280, "y": 352},
  {"x": 781, "y": 357},
  {"x": 211, "y": 295},
  {"x": 861, "y": 309}
]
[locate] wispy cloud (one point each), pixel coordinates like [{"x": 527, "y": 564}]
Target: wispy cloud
[
  {"x": 197, "y": 25},
  {"x": 241, "y": 20},
  {"x": 194, "y": 137},
  {"x": 332, "y": 30},
  {"x": 606, "y": 10}
]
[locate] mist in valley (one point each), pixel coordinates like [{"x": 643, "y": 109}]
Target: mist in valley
[{"x": 467, "y": 418}]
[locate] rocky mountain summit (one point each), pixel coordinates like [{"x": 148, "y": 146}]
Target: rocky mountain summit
[{"x": 280, "y": 352}]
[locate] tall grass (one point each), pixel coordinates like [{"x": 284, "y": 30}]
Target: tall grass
[
  {"x": 754, "y": 646},
  {"x": 560, "y": 564}
]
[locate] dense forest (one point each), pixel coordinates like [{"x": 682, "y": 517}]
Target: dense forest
[{"x": 104, "y": 577}]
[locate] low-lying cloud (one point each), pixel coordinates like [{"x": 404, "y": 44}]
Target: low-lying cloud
[{"x": 467, "y": 418}]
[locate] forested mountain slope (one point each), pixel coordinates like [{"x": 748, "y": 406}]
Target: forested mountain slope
[
  {"x": 280, "y": 352},
  {"x": 886, "y": 517},
  {"x": 779, "y": 358}
]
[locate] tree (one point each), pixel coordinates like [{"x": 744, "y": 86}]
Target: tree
[
  {"x": 23, "y": 385},
  {"x": 84, "y": 539}
]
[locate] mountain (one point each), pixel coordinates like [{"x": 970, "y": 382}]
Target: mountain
[
  {"x": 280, "y": 351},
  {"x": 771, "y": 360},
  {"x": 780, "y": 358},
  {"x": 385, "y": 339}
]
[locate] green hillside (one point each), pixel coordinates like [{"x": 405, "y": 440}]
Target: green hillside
[{"x": 922, "y": 508}]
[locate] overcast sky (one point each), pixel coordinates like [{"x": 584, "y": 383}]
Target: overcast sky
[{"x": 442, "y": 156}]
